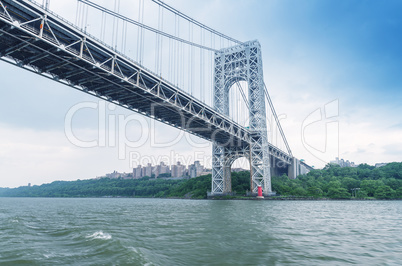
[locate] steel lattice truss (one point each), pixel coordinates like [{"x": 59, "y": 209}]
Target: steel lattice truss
[
  {"x": 241, "y": 62},
  {"x": 38, "y": 41},
  {"x": 41, "y": 42}
]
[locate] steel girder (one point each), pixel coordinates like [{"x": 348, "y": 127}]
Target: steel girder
[
  {"x": 54, "y": 48},
  {"x": 48, "y": 45},
  {"x": 241, "y": 62}
]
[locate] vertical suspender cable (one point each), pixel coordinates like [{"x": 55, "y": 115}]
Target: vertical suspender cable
[
  {"x": 125, "y": 38},
  {"x": 114, "y": 23},
  {"x": 174, "y": 50},
  {"x": 182, "y": 65},
  {"x": 178, "y": 54},
  {"x": 170, "y": 62},
  {"x": 183, "y": 59},
  {"x": 86, "y": 19},
  {"x": 157, "y": 42},
  {"x": 117, "y": 24},
  {"x": 76, "y": 12},
  {"x": 138, "y": 32},
  {"x": 161, "y": 52},
  {"x": 101, "y": 28},
  {"x": 82, "y": 17},
  {"x": 189, "y": 60},
  {"x": 142, "y": 33},
  {"x": 192, "y": 59},
  {"x": 201, "y": 68},
  {"x": 211, "y": 65}
]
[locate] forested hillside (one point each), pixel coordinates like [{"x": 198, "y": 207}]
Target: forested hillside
[
  {"x": 336, "y": 182},
  {"x": 96, "y": 188},
  {"x": 331, "y": 182}
]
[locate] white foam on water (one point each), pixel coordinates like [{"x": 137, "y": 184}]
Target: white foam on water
[
  {"x": 141, "y": 256},
  {"x": 47, "y": 256},
  {"x": 100, "y": 235}
]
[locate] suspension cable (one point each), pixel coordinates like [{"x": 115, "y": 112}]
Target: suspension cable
[
  {"x": 276, "y": 119},
  {"x": 242, "y": 94},
  {"x": 184, "y": 16},
  {"x": 142, "y": 26}
]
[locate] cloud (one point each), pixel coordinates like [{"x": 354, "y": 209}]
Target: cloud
[
  {"x": 313, "y": 53},
  {"x": 396, "y": 126}
]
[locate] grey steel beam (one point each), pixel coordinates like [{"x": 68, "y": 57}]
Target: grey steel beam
[{"x": 146, "y": 82}]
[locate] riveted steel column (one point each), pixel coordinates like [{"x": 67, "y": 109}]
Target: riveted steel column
[{"x": 242, "y": 62}]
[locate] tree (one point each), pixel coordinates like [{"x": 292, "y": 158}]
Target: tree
[
  {"x": 361, "y": 194},
  {"x": 398, "y": 193},
  {"x": 384, "y": 192},
  {"x": 392, "y": 182},
  {"x": 370, "y": 186},
  {"x": 314, "y": 192},
  {"x": 350, "y": 183},
  {"x": 299, "y": 191},
  {"x": 338, "y": 193}
]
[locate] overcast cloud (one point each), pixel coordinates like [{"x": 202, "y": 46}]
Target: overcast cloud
[{"x": 337, "y": 57}]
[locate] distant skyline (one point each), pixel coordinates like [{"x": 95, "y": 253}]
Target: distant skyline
[{"x": 332, "y": 69}]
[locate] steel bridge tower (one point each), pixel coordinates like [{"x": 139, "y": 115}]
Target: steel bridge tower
[{"x": 241, "y": 63}]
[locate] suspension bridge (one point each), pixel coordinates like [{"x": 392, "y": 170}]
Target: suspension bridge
[{"x": 166, "y": 66}]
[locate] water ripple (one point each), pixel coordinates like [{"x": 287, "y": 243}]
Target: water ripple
[{"x": 185, "y": 232}]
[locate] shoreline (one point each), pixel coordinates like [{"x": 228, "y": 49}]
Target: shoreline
[{"x": 219, "y": 198}]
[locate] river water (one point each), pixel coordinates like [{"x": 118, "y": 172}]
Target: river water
[{"x": 117, "y": 231}]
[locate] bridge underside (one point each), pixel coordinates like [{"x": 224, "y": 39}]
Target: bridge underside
[
  {"x": 41, "y": 42},
  {"x": 35, "y": 40}
]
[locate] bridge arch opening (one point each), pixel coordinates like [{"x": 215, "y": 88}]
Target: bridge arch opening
[
  {"x": 243, "y": 181},
  {"x": 238, "y": 102}
]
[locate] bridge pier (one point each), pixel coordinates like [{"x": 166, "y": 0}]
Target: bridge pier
[
  {"x": 222, "y": 160},
  {"x": 241, "y": 63},
  {"x": 298, "y": 168},
  {"x": 59, "y": 51},
  {"x": 278, "y": 167}
]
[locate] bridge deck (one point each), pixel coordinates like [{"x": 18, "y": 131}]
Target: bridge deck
[{"x": 44, "y": 43}]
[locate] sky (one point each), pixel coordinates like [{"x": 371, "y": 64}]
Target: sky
[{"x": 332, "y": 69}]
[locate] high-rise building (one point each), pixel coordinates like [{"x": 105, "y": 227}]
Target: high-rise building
[
  {"x": 195, "y": 169},
  {"x": 343, "y": 163},
  {"x": 178, "y": 170},
  {"x": 115, "y": 174},
  {"x": 137, "y": 172},
  {"x": 147, "y": 171},
  {"x": 161, "y": 169},
  {"x": 192, "y": 171},
  {"x": 199, "y": 168}
]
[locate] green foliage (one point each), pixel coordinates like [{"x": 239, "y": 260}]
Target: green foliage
[
  {"x": 398, "y": 193},
  {"x": 336, "y": 182},
  {"x": 338, "y": 193},
  {"x": 370, "y": 186},
  {"x": 331, "y": 182},
  {"x": 194, "y": 188},
  {"x": 299, "y": 191},
  {"x": 384, "y": 192},
  {"x": 241, "y": 182},
  {"x": 361, "y": 194},
  {"x": 314, "y": 192},
  {"x": 104, "y": 187}
]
